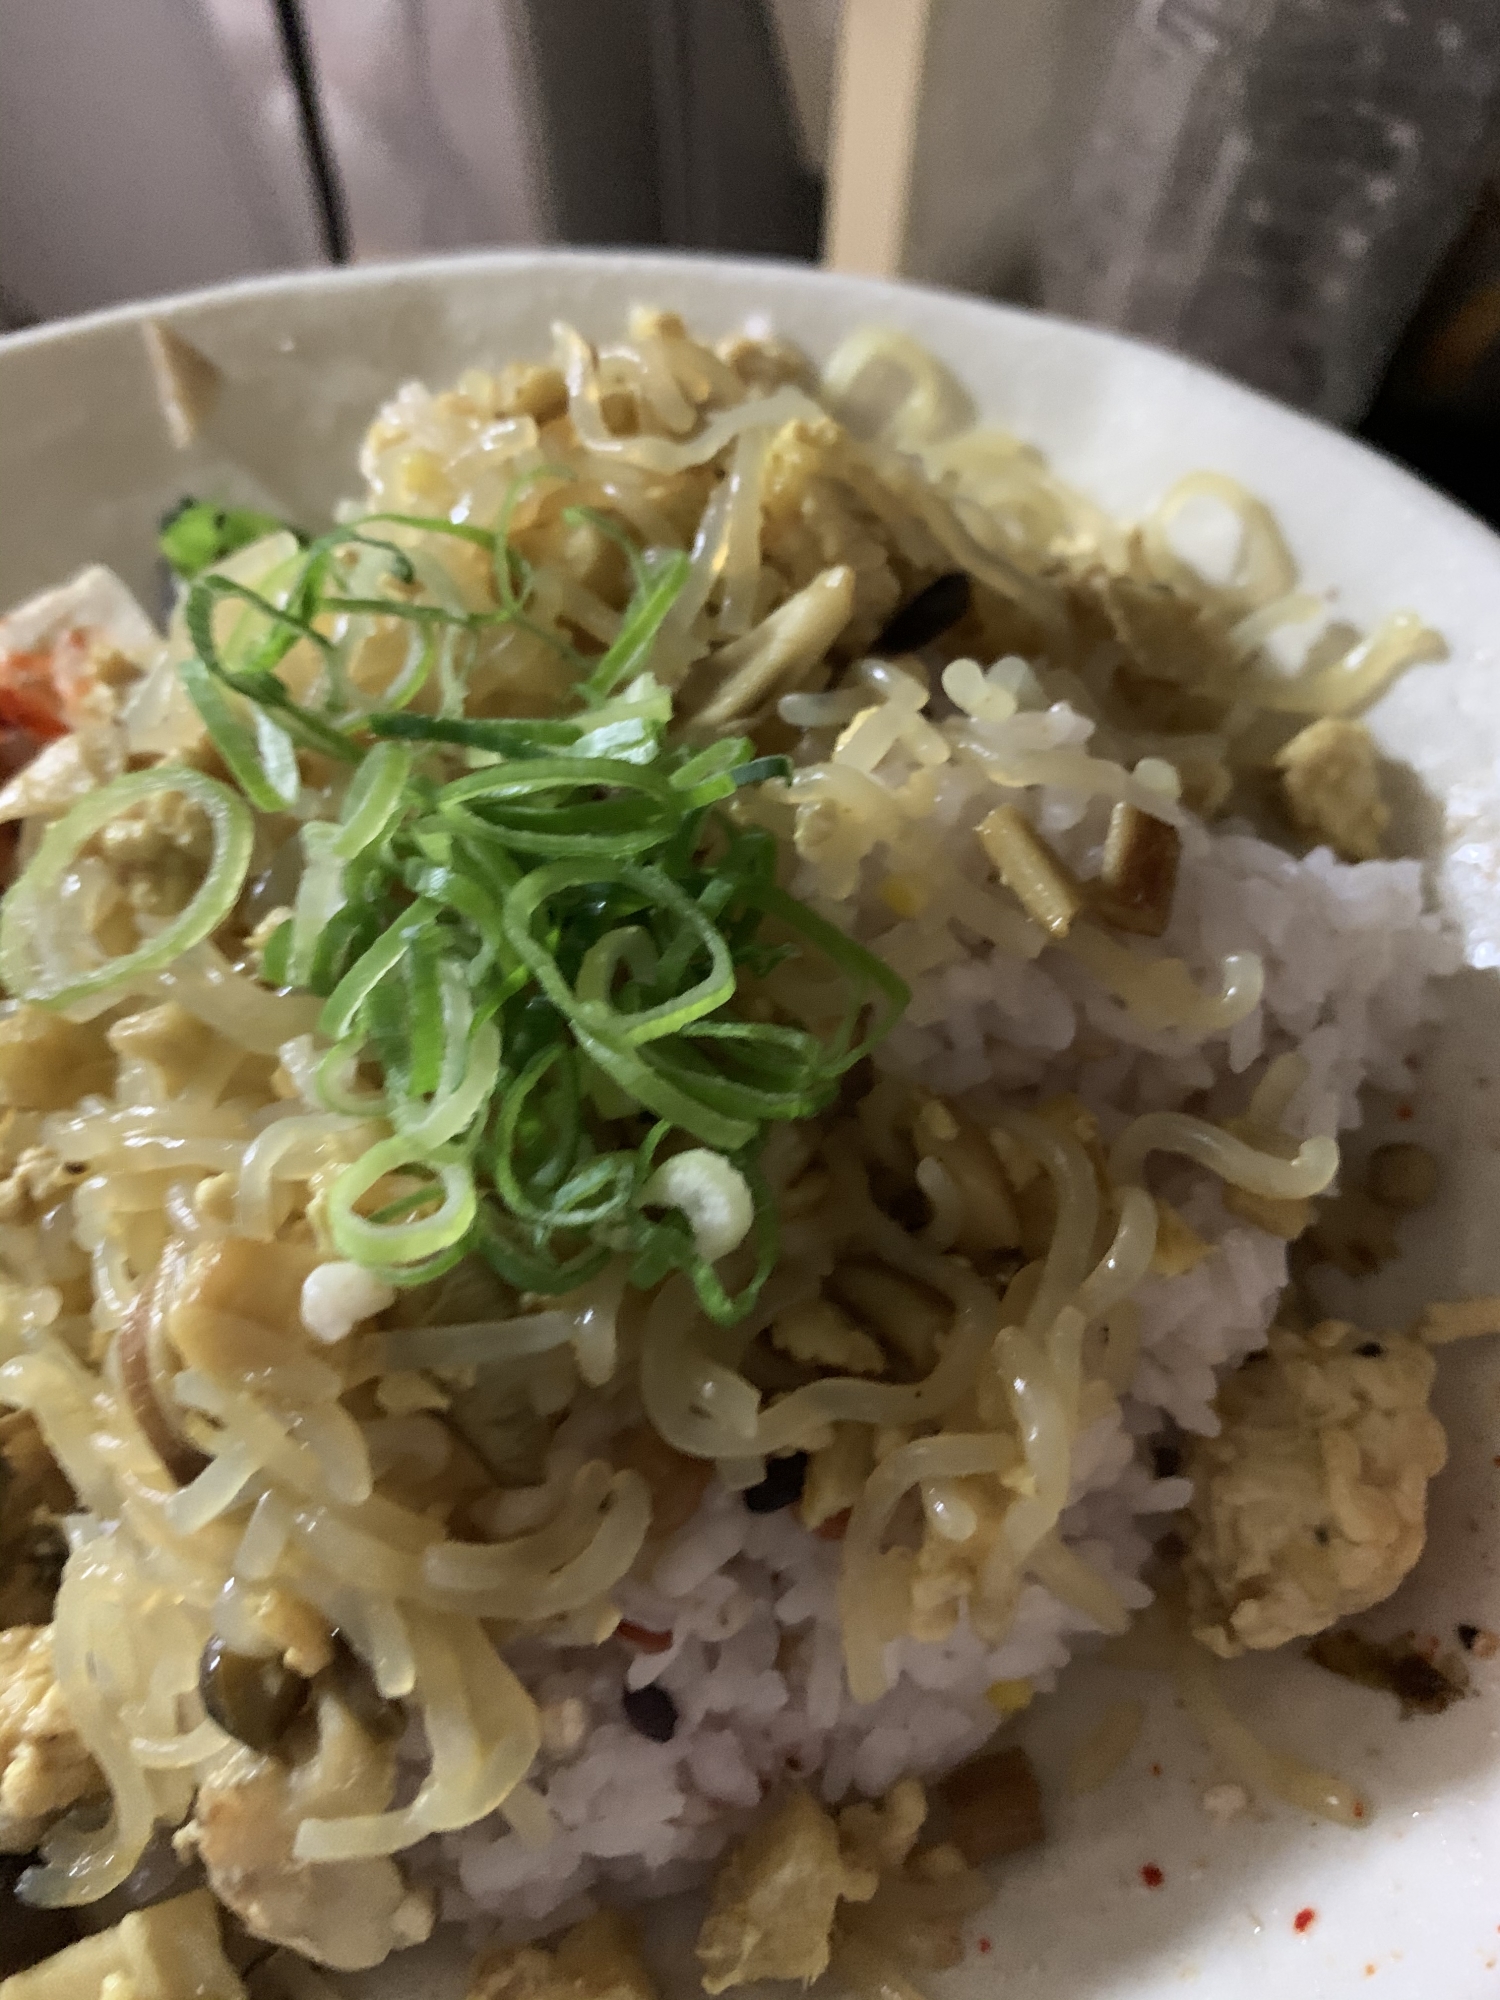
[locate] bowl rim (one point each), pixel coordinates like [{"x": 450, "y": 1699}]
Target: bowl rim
[{"x": 777, "y": 272}]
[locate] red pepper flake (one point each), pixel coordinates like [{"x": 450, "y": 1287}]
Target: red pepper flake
[
  {"x": 1359, "y": 1808},
  {"x": 1304, "y": 1920},
  {"x": 1152, "y": 1876},
  {"x": 836, "y": 1526},
  {"x": 1369, "y": 1972},
  {"x": 642, "y": 1637},
  {"x": 985, "y": 1945},
  {"x": 1156, "y": 1770},
  {"x": 1405, "y": 1112}
]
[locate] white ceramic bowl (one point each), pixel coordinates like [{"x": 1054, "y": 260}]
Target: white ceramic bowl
[{"x": 1409, "y": 1906}]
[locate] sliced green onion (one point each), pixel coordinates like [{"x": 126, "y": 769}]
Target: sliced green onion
[
  {"x": 631, "y": 651},
  {"x": 383, "y": 1246},
  {"x": 29, "y": 965},
  {"x": 197, "y": 534},
  {"x": 377, "y": 793}
]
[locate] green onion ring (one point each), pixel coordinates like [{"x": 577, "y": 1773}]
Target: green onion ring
[{"x": 28, "y": 908}]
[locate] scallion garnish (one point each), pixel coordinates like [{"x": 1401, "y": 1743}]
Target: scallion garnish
[{"x": 530, "y": 935}]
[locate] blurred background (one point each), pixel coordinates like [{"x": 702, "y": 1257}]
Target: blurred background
[{"x": 1305, "y": 193}]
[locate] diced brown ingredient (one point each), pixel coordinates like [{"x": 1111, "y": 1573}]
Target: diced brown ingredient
[
  {"x": 1422, "y": 1686},
  {"x": 1030, "y": 870},
  {"x": 1138, "y": 875},
  {"x": 994, "y": 1805},
  {"x": 33, "y": 1494},
  {"x": 677, "y": 1482},
  {"x": 1310, "y": 1504},
  {"x": 171, "y": 1951},
  {"x": 1330, "y": 780},
  {"x": 1402, "y": 1175},
  {"x": 818, "y": 1334},
  {"x": 775, "y": 1899},
  {"x": 237, "y": 1306},
  {"x": 44, "y": 1767},
  {"x": 47, "y": 1063},
  {"x": 1353, "y": 1232},
  {"x": 1179, "y": 1247},
  {"x": 346, "y": 1914},
  {"x": 1459, "y": 1319},
  {"x": 599, "y": 1959}
]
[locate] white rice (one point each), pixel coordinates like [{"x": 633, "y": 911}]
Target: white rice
[{"x": 754, "y": 1665}]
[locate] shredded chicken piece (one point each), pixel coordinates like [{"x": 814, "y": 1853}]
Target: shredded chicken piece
[
  {"x": 775, "y": 1898},
  {"x": 881, "y": 1836},
  {"x": 1311, "y": 1502},
  {"x": 814, "y": 517},
  {"x": 33, "y": 1494},
  {"x": 345, "y": 1914},
  {"x": 1179, "y": 1247},
  {"x": 1330, "y": 779},
  {"x": 174, "y": 1042},
  {"x": 823, "y": 1337},
  {"x": 44, "y": 1767},
  {"x": 238, "y": 1305},
  {"x": 47, "y": 1063},
  {"x": 599, "y": 1959},
  {"x": 917, "y": 1914}
]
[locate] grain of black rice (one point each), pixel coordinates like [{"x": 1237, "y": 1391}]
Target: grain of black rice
[
  {"x": 782, "y": 1485},
  {"x": 927, "y": 616},
  {"x": 651, "y": 1712}
]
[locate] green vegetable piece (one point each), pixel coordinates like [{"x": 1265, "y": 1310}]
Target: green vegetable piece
[{"x": 197, "y": 534}]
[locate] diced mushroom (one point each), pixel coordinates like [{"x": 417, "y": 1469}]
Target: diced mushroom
[
  {"x": 1402, "y": 1175},
  {"x": 1030, "y": 870},
  {"x": 995, "y": 1806},
  {"x": 1138, "y": 875}
]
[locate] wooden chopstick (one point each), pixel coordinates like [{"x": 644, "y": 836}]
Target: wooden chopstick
[{"x": 877, "y": 96}]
